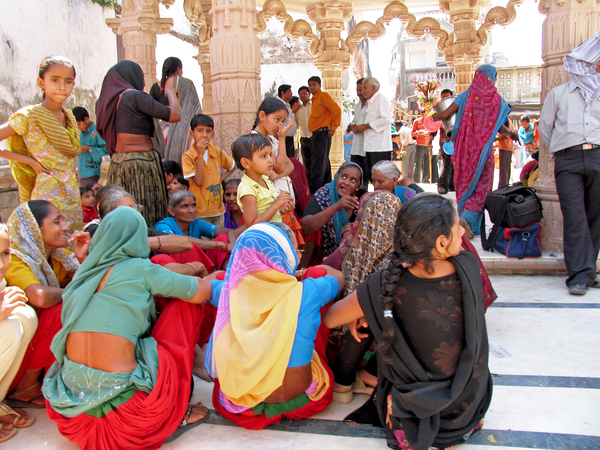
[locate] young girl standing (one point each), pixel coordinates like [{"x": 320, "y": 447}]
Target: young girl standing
[
  {"x": 43, "y": 143},
  {"x": 270, "y": 122}
]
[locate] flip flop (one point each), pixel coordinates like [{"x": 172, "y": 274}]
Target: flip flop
[
  {"x": 6, "y": 410},
  {"x": 11, "y": 433},
  {"x": 187, "y": 426},
  {"x": 15, "y": 403}
]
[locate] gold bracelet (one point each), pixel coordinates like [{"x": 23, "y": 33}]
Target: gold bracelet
[{"x": 192, "y": 266}]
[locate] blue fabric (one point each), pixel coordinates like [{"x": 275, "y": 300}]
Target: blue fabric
[
  {"x": 316, "y": 293},
  {"x": 90, "y": 162},
  {"x": 526, "y": 135},
  {"x": 404, "y": 193},
  {"x": 198, "y": 228}
]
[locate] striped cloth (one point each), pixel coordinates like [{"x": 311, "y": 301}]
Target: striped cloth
[{"x": 580, "y": 65}]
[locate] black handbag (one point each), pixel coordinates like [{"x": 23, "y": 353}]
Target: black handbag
[{"x": 510, "y": 207}]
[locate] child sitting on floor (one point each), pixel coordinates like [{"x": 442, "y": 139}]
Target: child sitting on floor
[
  {"x": 256, "y": 194},
  {"x": 88, "y": 204},
  {"x": 178, "y": 183}
]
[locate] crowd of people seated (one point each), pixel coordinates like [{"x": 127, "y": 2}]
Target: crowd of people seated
[{"x": 238, "y": 281}]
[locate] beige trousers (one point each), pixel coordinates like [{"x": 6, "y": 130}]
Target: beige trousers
[{"x": 16, "y": 332}]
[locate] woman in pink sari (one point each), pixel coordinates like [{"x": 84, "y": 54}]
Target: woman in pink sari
[{"x": 481, "y": 113}]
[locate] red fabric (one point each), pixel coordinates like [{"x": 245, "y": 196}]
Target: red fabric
[
  {"x": 489, "y": 295},
  {"x": 218, "y": 257},
  {"x": 38, "y": 354},
  {"x": 300, "y": 183},
  {"x": 317, "y": 238},
  {"x": 249, "y": 420},
  {"x": 422, "y": 139},
  {"x": 89, "y": 213},
  {"x": 210, "y": 312},
  {"x": 292, "y": 221},
  {"x": 146, "y": 420},
  {"x": 477, "y": 125}
]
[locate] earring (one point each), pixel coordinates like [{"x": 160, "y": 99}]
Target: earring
[{"x": 443, "y": 253}]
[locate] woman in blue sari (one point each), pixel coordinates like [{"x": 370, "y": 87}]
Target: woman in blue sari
[{"x": 481, "y": 113}]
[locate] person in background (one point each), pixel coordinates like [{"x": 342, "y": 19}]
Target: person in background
[
  {"x": 357, "y": 152},
  {"x": 93, "y": 148},
  {"x": 179, "y": 183},
  {"x": 570, "y": 128},
  {"x": 408, "y": 149},
  {"x": 285, "y": 94},
  {"x": 233, "y": 212},
  {"x": 446, "y": 180},
  {"x": 376, "y": 127},
  {"x": 302, "y": 117},
  {"x": 205, "y": 167},
  {"x": 88, "y": 204},
  {"x": 422, "y": 159},
  {"x": 171, "y": 168},
  {"x": 325, "y": 118},
  {"x": 295, "y": 106},
  {"x": 506, "y": 147}
]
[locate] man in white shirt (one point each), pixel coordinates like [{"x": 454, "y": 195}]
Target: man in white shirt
[
  {"x": 570, "y": 128},
  {"x": 357, "y": 152},
  {"x": 284, "y": 92},
  {"x": 302, "y": 116},
  {"x": 377, "y": 127}
]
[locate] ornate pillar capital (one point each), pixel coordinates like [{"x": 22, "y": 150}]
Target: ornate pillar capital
[{"x": 139, "y": 24}]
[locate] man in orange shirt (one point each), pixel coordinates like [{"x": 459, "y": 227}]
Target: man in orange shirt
[{"x": 324, "y": 118}]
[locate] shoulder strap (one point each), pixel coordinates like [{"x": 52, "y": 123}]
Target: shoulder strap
[{"x": 488, "y": 243}]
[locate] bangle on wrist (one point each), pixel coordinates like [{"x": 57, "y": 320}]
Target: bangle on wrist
[
  {"x": 327, "y": 213},
  {"x": 192, "y": 266},
  {"x": 159, "y": 244}
]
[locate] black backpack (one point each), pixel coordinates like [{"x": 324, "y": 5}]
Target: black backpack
[{"x": 510, "y": 207}]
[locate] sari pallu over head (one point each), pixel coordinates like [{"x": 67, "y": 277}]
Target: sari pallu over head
[
  {"x": 480, "y": 115},
  {"x": 119, "y": 78},
  {"x": 366, "y": 249},
  {"x": 252, "y": 340},
  {"x": 27, "y": 243},
  {"x": 122, "y": 234},
  {"x": 327, "y": 196}
]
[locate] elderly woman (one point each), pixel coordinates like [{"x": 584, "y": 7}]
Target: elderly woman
[
  {"x": 42, "y": 267},
  {"x": 267, "y": 352},
  {"x": 125, "y": 120},
  {"x": 330, "y": 209},
  {"x": 480, "y": 114},
  {"x": 122, "y": 379},
  {"x": 183, "y": 222},
  {"x": 386, "y": 176}
]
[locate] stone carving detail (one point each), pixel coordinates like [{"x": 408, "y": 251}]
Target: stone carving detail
[
  {"x": 229, "y": 97},
  {"x": 497, "y": 16},
  {"x": 292, "y": 29}
]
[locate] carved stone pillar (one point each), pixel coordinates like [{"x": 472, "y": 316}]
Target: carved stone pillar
[
  {"x": 330, "y": 18},
  {"x": 139, "y": 24},
  {"x": 194, "y": 11},
  {"x": 568, "y": 23},
  {"x": 234, "y": 69}
]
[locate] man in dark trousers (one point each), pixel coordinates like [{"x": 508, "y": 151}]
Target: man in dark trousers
[
  {"x": 570, "y": 128},
  {"x": 325, "y": 117}
]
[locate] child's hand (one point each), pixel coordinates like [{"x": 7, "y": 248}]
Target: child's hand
[
  {"x": 38, "y": 168},
  {"x": 283, "y": 129},
  {"x": 283, "y": 199},
  {"x": 288, "y": 207},
  {"x": 11, "y": 298}
]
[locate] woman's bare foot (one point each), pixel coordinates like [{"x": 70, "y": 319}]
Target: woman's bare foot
[
  {"x": 195, "y": 413},
  {"x": 367, "y": 378},
  {"x": 6, "y": 432},
  {"x": 20, "y": 420},
  {"x": 29, "y": 394}
]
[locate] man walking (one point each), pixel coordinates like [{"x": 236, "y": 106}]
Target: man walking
[
  {"x": 357, "y": 152},
  {"x": 377, "y": 127},
  {"x": 570, "y": 128},
  {"x": 324, "y": 119},
  {"x": 302, "y": 121}
]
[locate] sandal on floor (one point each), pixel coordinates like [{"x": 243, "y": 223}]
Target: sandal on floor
[
  {"x": 344, "y": 397},
  {"x": 359, "y": 386},
  {"x": 6, "y": 410},
  {"x": 9, "y": 433},
  {"x": 16, "y": 403},
  {"x": 185, "y": 426}
]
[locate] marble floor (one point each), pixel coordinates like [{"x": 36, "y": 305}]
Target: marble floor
[{"x": 543, "y": 354}]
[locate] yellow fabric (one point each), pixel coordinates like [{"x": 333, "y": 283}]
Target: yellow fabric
[
  {"x": 253, "y": 349},
  {"x": 264, "y": 197},
  {"x": 43, "y": 138},
  {"x": 209, "y": 196},
  {"x": 320, "y": 376},
  {"x": 18, "y": 274}
]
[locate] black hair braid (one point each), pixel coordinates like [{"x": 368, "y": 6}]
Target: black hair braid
[
  {"x": 391, "y": 279},
  {"x": 169, "y": 67}
]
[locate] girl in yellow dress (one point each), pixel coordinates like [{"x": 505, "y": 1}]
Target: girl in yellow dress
[{"x": 43, "y": 143}]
